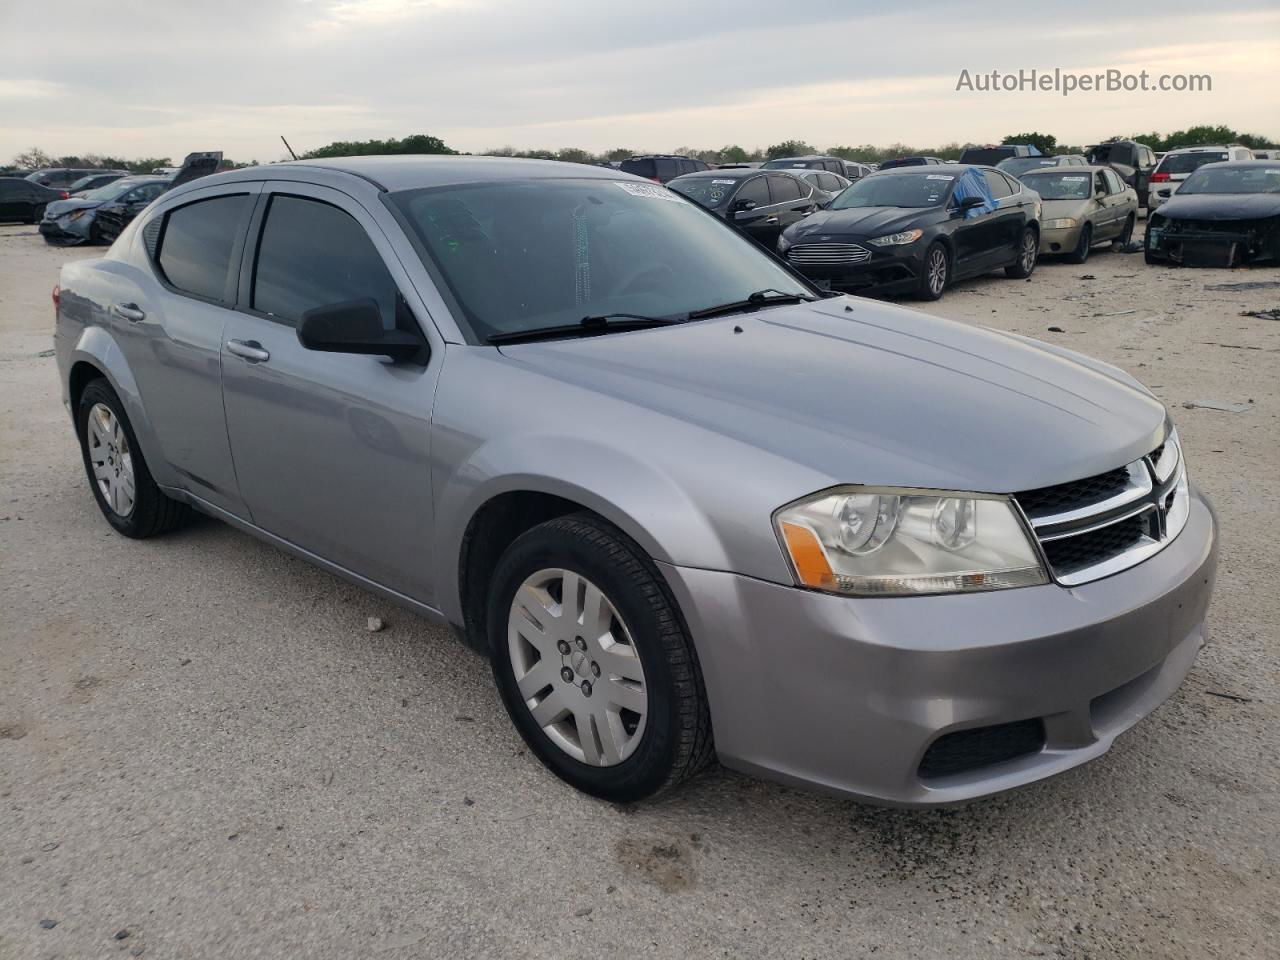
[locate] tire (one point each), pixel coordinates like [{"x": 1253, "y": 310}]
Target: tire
[
  {"x": 110, "y": 449},
  {"x": 1081, "y": 253},
  {"x": 1028, "y": 252},
  {"x": 1126, "y": 235},
  {"x": 935, "y": 273},
  {"x": 580, "y": 700}
]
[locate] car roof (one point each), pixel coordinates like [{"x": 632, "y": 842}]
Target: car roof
[
  {"x": 1063, "y": 168},
  {"x": 926, "y": 169},
  {"x": 807, "y": 156},
  {"x": 1237, "y": 164},
  {"x": 412, "y": 172},
  {"x": 737, "y": 173},
  {"x": 1205, "y": 146}
]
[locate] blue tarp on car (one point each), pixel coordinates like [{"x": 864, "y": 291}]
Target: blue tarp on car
[{"x": 973, "y": 184}]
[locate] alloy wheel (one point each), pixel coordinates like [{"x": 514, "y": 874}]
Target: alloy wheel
[
  {"x": 111, "y": 459},
  {"x": 1030, "y": 245},
  {"x": 937, "y": 271},
  {"x": 576, "y": 667}
]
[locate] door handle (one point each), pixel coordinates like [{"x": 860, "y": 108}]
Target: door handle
[
  {"x": 128, "y": 311},
  {"x": 771, "y": 220},
  {"x": 250, "y": 350}
]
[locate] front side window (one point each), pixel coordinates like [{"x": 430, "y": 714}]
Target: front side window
[
  {"x": 197, "y": 243},
  {"x": 313, "y": 254},
  {"x": 756, "y": 190},
  {"x": 526, "y": 255}
]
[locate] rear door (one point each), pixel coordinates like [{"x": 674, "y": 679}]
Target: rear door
[
  {"x": 331, "y": 450},
  {"x": 1005, "y": 230},
  {"x": 169, "y": 325}
]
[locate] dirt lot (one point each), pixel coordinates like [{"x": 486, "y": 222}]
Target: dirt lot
[{"x": 203, "y": 752}]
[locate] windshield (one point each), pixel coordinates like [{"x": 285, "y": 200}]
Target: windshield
[
  {"x": 112, "y": 190},
  {"x": 1189, "y": 162},
  {"x": 1017, "y": 166},
  {"x": 903, "y": 190},
  {"x": 1060, "y": 186},
  {"x": 1233, "y": 180},
  {"x": 530, "y": 254},
  {"x": 711, "y": 192}
]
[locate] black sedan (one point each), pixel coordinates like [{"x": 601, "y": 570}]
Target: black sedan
[
  {"x": 761, "y": 203},
  {"x": 915, "y": 230},
  {"x": 1223, "y": 215},
  {"x": 25, "y": 200}
]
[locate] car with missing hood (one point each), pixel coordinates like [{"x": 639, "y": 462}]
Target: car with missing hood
[
  {"x": 75, "y": 220},
  {"x": 761, "y": 203},
  {"x": 688, "y": 506},
  {"x": 1081, "y": 207},
  {"x": 916, "y": 230},
  {"x": 1223, "y": 215},
  {"x": 114, "y": 215},
  {"x": 1133, "y": 161}
]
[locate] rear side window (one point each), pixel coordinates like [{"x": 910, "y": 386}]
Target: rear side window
[
  {"x": 666, "y": 168},
  {"x": 784, "y": 189},
  {"x": 640, "y": 167},
  {"x": 311, "y": 255},
  {"x": 197, "y": 243},
  {"x": 1113, "y": 181},
  {"x": 998, "y": 184},
  {"x": 754, "y": 190}
]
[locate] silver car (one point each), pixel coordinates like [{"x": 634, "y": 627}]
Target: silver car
[
  {"x": 1082, "y": 207},
  {"x": 691, "y": 507}
]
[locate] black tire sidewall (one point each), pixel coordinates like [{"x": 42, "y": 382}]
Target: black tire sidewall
[
  {"x": 1085, "y": 245},
  {"x": 924, "y": 292},
  {"x": 145, "y": 489},
  {"x": 649, "y": 768}
]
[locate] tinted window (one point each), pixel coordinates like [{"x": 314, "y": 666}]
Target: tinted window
[
  {"x": 640, "y": 167},
  {"x": 666, "y": 168},
  {"x": 195, "y": 249},
  {"x": 756, "y": 190},
  {"x": 784, "y": 189},
  {"x": 998, "y": 184},
  {"x": 835, "y": 166},
  {"x": 313, "y": 254}
]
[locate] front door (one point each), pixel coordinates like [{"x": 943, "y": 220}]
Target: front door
[{"x": 331, "y": 450}]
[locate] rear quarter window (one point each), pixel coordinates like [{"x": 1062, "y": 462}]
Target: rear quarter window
[
  {"x": 642, "y": 167},
  {"x": 197, "y": 243}
]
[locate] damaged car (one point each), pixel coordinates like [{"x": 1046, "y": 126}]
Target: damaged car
[
  {"x": 114, "y": 215},
  {"x": 1082, "y": 206},
  {"x": 75, "y": 220},
  {"x": 1223, "y": 215}
]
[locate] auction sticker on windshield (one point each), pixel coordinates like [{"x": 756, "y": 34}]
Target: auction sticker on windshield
[
  {"x": 938, "y": 176},
  {"x": 652, "y": 192}
]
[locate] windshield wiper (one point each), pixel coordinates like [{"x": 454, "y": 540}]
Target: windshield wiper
[
  {"x": 761, "y": 298},
  {"x": 587, "y": 326}
]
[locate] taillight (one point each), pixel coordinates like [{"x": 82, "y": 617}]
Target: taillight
[
  {"x": 1160, "y": 178},
  {"x": 57, "y": 297},
  {"x": 65, "y": 195}
]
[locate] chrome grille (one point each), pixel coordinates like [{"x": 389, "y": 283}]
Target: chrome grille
[
  {"x": 1092, "y": 528},
  {"x": 828, "y": 253}
]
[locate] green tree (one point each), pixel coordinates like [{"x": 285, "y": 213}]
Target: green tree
[
  {"x": 415, "y": 144},
  {"x": 1044, "y": 142},
  {"x": 575, "y": 155},
  {"x": 733, "y": 154},
  {"x": 617, "y": 154},
  {"x": 788, "y": 148}
]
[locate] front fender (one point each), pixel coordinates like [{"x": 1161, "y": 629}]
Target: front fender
[{"x": 634, "y": 495}]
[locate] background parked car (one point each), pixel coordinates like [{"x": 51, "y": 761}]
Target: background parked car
[
  {"x": 1177, "y": 165},
  {"x": 661, "y": 167},
  {"x": 95, "y": 180},
  {"x": 1017, "y": 166},
  {"x": 813, "y": 162},
  {"x": 1133, "y": 161},
  {"x": 826, "y": 185},
  {"x": 114, "y": 215},
  {"x": 75, "y": 220},
  {"x": 24, "y": 200},
  {"x": 917, "y": 229},
  {"x": 993, "y": 153},
  {"x": 761, "y": 203},
  {"x": 908, "y": 162},
  {"x": 61, "y": 178},
  {"x": 1223, "y": 215},
  {"x": 1082, "y": 206}
]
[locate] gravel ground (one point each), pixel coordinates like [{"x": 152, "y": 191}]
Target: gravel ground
[{"x": 204, "y": 752}]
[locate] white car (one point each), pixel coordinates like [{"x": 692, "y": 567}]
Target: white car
[{"x": 1176, "y": 165}]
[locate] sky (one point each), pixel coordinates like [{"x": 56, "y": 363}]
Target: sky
[{"x": 165, "y": 77}]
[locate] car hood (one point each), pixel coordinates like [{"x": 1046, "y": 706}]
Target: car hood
[
  {"x": 858, "y": 222},
  {"x": 1056, "y": 209},
  {"x": 1221, "y": 206},
  {"x": 871, "y": 393},
  {"x": 60, "y": 208}
]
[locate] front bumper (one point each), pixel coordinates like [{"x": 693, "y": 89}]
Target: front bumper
[
  {"x": 847, "y": 695},
  {"x": 1061, "y": 240},
  {"x": 1216, "y": 243},
  {"x": 888, "y": 270},
  {"x": 63, "y": 231}
]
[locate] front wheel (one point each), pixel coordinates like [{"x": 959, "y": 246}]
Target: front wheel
[
  {"x": 934, "y": 274},
  {"x": 593, "y": 662},
  {"x": 1081, "y": 253},
  {"x": 1028, "y": 250},
  {"x": 118, "y": 474}
]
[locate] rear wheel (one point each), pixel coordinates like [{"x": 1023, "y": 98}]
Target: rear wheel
[
  {"x": 934, "y": 273},
  {"x": 1126, "y": 235},
  {"x": 118, "y": 474},
  {"x": 593, "y": 663},
  {"x": 1028, "y": 250},
  {"x": 1081, "y": 253}
]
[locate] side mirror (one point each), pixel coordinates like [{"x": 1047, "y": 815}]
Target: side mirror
[
  {"x": 741, "y": 207},
  {"x": 967, "y": 204},
  {"x": 355, "y": 326}
]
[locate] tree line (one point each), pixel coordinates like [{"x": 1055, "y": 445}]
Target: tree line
[{"x": 422, "y": 143}]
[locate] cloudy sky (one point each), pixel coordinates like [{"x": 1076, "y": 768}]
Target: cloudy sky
[{"x": 163, "y": 77}]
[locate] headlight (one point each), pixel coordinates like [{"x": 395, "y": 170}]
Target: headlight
[
  {"x": 1065, "y": 223},
  {"x": 76, "y": 214},
  {"x": 884, "y": 542},
  {"x": 783, "y": 243},
  {"x": 897, "y": 239}
]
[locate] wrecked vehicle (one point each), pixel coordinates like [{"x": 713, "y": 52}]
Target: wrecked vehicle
[
  {"x": 1082, "y": 206},
  {"x": 1176, "y": 165},
  {"x": 95, "y": 180},
  {"x": 1135, "y": 162},
  {"x": 114, "y": 215},
  {"x": 75, "y": 220},
  {"x": 1223, "y": 215}
]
